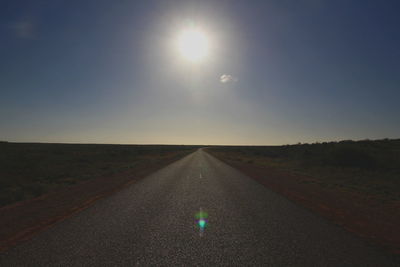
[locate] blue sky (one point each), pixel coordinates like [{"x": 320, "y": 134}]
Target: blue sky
[{"x": 106, "y": 72}]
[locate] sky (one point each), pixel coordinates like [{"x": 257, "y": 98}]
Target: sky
[{"x": 276, "y": 72}]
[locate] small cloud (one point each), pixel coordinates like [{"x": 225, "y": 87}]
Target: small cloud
[
  {"x": 24, "y": 29},
  {"x": 227, "y": 78}
]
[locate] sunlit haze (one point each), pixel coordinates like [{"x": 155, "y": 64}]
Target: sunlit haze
[{"x": 199, "y": 72}]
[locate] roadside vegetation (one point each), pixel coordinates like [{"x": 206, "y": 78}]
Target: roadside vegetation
[
  {"x": 368, "y": 167},
  {"x": 29, "y": 170}
]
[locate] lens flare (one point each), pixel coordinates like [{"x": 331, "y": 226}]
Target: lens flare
[{"x": 201, "y": 221}]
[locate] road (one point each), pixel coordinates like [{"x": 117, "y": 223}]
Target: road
[{"x": 152, "y": 222}]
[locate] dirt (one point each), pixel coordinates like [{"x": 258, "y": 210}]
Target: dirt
[
  {"x": 372, "y": 219},
  {"x": 20, "y": 221}
]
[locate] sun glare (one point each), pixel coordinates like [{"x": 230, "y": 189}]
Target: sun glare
[{"x": 193, "y": 45}]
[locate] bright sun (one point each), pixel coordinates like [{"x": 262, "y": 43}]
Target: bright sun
[{"x": 193, "y": 45}]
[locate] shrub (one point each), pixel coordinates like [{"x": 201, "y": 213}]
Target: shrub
[{"x": 347, "y": 156}]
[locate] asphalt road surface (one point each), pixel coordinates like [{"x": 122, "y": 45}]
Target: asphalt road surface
[{"x": 152, "y": 223}]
